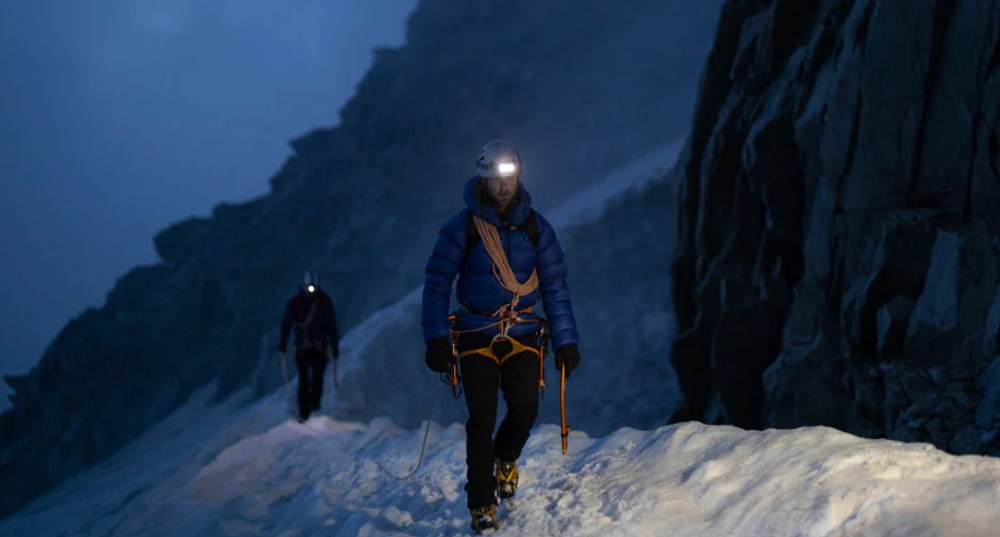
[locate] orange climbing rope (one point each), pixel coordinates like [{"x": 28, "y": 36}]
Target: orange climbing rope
[{"x": 507, "y": 314}]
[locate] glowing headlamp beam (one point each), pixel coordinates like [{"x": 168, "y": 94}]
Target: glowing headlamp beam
[{"x": 506, "y": 167}]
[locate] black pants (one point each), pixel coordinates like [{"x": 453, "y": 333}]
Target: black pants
[
  {"x": 312, "y": 364},
  {"x": 481, "y": 380}
]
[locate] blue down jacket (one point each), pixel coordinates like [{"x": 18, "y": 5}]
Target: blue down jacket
[{"x": 478, "y": 289}]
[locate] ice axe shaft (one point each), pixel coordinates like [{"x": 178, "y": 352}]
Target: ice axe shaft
[
  {"x": 453, "y": 380},
  {"x": 562, "y": 410},
  {"x": 284, "y": 373}
]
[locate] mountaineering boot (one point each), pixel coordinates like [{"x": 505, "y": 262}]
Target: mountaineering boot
[
  {"x": 484, "y": 518},
  {"x": 506, "y": 479}
]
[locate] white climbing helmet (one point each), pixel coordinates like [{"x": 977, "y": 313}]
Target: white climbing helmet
[{"x": 498, "y": 158}]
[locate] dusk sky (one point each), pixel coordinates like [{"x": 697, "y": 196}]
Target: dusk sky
[{"x": 122, "y": 117}]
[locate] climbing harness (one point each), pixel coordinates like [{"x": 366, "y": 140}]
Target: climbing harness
[{"x": 496, "y": 349}]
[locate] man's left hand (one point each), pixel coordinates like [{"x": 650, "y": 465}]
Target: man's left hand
[{"x": 568, "y": 355}]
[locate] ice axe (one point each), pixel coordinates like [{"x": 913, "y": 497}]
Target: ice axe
[
  {"x": 284, "y": 373},
  {"x": 564, "y": 429},
  {"x": 562, "y": 410}
]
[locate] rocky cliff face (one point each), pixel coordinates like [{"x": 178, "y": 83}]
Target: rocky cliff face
[
  {"x": 839, "y": 261},
  {"x": 581, "y": 86}
]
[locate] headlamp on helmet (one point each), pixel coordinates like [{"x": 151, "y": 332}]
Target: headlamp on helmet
[
  {"x": 498, "y": 158},
  {"x": 310, "y": 283}
]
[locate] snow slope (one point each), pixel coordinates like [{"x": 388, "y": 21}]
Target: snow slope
[{"x": 259, "y": 473}]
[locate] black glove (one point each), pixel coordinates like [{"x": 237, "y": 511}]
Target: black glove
[
  {"x": 438, "y": 355},
  {"x": 568, "y": 354},
  {"x": 281, "y": 348}
]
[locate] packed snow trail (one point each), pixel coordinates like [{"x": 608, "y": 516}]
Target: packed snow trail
[{"x": 322, "y": 478}]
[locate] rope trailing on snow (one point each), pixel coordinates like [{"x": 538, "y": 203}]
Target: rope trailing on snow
[{"x": 423, "y": 444}]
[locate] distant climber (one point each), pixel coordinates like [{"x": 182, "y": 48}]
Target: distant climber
[{"x": 312, "y": 314}]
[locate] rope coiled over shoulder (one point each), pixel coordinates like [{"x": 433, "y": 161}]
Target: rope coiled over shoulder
[{"x": 502, "y": 270}]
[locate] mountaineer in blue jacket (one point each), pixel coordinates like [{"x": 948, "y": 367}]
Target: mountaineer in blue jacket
[{"x": 506, "y": 257}]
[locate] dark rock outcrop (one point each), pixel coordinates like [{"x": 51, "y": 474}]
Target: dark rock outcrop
[
  {"x": 581, "y": 86},
  {"x": 843, "y": 182}
]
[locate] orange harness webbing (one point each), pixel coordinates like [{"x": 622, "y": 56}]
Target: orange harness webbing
[{"x": 516, "y": 347}]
